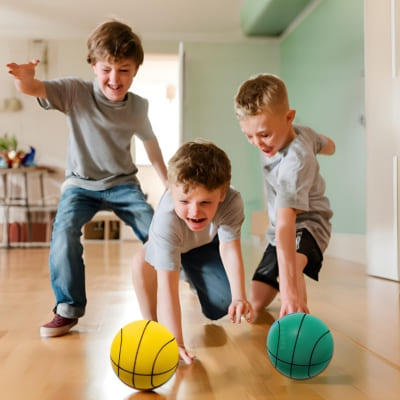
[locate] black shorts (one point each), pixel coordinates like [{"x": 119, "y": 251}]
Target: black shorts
[{"x": 268, "y": 271}]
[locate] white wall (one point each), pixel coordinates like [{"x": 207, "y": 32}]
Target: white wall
[
  {"x": 45, "y": 130},
  {"x": 382, "y": 89}
]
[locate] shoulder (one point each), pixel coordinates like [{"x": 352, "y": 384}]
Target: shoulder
[
  {"x": 232, "y": 204},
  {"x": 68, "y": 85},
  {"x": 69, "y": 81},
  {"x": 165, "y": 215},
  {"x": 233, "y": 196},
  {"x": 310, "y": 138},
  {"x": 139, "y": 102}
]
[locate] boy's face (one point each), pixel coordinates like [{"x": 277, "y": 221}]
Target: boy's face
[
  {"x": 269, "y": 131},
  {"x": 115, "y": 78},
  {"x": 198, "y": 206}
]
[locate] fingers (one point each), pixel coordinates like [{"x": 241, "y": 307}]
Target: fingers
[
  {"x": 239, "y": 309},
  {"x": 185, "y": 355},
  {"x": 14, "y": 67}
]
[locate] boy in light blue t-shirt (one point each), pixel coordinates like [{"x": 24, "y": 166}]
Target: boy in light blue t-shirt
[{"x": 196, "y": 226}]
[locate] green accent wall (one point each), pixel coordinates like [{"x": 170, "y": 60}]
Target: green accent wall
[
  {"x": 269, "y": 17},
  {"x": 213, "y": 73},
  {"x": 322, "y": 63}
]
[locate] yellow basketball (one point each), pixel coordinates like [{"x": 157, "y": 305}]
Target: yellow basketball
[{"x": 144, "y": 354}]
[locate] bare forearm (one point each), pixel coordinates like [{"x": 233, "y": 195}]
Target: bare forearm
[
  {"x": 24, "y": 79},
  {"x": 155, "y": 156},
  {"x": 34, "y": 88},
  {"x": 329, "y": 148},
  {"x": 232, "y": 259},
  {"x": 168, "y": 305},
  {"x": 286, "y": 253}
]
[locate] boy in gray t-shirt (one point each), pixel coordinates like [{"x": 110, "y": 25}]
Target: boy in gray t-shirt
[
  {"x": 196, "y": 226},
  {"x": 102, "y": 116},
  {"x": 299, "y": 212}
]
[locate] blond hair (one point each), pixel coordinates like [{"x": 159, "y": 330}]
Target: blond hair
[
  {"x": 265, "y": 92},
  {"x": 113, "y": 41},
  {"x": 199, "y": 163}
]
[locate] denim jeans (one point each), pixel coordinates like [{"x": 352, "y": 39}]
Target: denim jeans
[
  {"x": 205, "y": 271},
  {"x": 77, "y": 206}
]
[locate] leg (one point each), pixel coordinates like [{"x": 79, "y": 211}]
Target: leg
[
  {"x": 67, "y": 270},
  {"x": 144, "y": 278},
  {"x": 203, "y": 266},
  {"x": 264, "y": 287},
  {"x": 129, "y": 203},
  {"x": 308, "y": 259},
  {"x": 261, "y": 295}
]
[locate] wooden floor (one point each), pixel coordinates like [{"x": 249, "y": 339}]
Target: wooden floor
[{"x": 362, "y": 312}]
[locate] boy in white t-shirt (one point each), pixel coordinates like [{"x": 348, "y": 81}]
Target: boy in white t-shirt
[{"x": 196, "y": 226}]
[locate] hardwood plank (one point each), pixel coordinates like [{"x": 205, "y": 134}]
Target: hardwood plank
[{"x": 361, "y": 311}]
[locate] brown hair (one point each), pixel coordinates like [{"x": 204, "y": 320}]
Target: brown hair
[
  {"x": 114, "y": 41},
  {"x": 200, "y": 163},
  {"x": 263, "y": 92}
]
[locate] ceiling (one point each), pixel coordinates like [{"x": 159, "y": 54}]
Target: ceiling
[{"x": 152, "y": 19}]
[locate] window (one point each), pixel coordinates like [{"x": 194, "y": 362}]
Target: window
[{"x": 157, "y": 81}]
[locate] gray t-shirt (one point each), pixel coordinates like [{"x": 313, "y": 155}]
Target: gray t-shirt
[
  {"x": 98, "y": 155},
  {"x": 293, "y": 180},
  {"x": 169, "y": 235}
]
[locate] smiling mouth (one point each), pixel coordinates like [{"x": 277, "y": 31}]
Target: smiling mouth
[
  {"x": 114, "y": 87},
  {"x": 197, "y": 220}
]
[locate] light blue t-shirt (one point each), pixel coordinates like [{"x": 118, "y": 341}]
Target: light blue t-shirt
[
  {"x": 293, "y": 180},
  {"x": 169, "y": 236},
  {"x": 101, "y": 131}
]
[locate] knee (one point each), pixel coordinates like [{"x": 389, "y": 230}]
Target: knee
[{"x": 215, "y": 314}]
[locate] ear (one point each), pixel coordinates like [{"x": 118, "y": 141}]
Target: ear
[
  {"x": 224, "y": 191},
  {"x": 290, "y": 115}
]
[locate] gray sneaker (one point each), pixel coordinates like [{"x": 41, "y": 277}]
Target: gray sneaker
[{"x": 58, "y": 326}]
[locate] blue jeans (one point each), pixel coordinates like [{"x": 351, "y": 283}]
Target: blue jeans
[
  {"x": 204, "y": 269},
  {"x": 77, "y": 207}
]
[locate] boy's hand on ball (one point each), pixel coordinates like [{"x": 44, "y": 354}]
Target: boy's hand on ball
[
  {"x": 185, "y": 355},
  {"x": 290, "y": 307},
  {"x": 240, "y": 308}
]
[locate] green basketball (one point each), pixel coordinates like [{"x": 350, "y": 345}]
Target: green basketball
[{"x": 300, "y": 346}]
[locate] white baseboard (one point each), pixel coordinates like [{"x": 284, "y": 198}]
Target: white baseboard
[{"x": 347, "y": 247}]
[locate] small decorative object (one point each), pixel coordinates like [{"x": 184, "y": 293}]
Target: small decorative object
[{"x": 11, "y": 156}]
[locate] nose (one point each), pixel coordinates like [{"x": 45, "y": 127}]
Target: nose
[
  {"x": 194, "y": 210},
  {"x": 114, "y": 76}
]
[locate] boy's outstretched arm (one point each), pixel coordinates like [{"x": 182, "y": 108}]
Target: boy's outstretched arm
[
  {"x": 155, "y": 156},
  {"x": 169, "y": 308},
  {"x": 231, "y": 255},
  {"x": 24, "y": 79},
  {"x": 291, "y": 264}
]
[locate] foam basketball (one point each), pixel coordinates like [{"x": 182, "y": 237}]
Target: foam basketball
[
  {"x": 299, "y": 345},
  {"x": 144, "y": 354}
]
